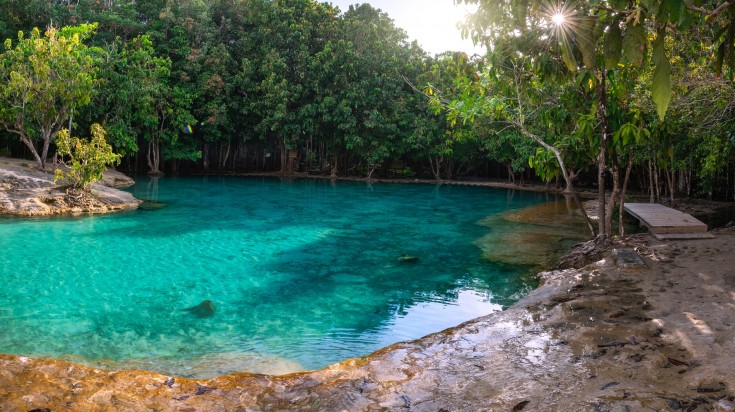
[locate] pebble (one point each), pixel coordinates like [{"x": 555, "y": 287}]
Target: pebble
[
  {"x": 710, "y": 385},
  {"x": 724, "y": 406}
]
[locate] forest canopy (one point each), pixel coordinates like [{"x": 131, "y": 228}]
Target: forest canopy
[{"x": 641, "y": 91}]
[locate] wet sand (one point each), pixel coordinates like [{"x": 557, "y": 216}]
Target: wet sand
[{"x": 598, "y": 338}]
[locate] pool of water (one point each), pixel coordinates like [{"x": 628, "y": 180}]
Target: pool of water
[{"x": 300, "y": 274}]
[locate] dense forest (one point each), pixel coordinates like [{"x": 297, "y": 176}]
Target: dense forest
[{"x": 614, "y": 94}]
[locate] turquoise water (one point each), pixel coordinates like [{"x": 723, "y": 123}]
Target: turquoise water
[{"x": 302, "y": 274}]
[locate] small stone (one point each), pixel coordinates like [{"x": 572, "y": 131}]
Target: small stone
[
  {"x": 520, "y": 405},
  {"x": 628, "y": 259},
  {"x": 609, "y": 385},
  {"x": 724, "y": 406},
  {"x": 710, "y": 385},
  {"x": 637, "y": 357},
  {"x": 169, "y": 382},
  {"x": 201, "y": 390}
]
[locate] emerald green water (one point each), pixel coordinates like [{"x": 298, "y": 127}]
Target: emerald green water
[{"x": 302, "y": 274}]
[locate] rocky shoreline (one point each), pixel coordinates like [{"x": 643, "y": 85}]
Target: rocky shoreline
[
  {"x": 598, "y": 338},
  {"x": 27, "y": 191}
]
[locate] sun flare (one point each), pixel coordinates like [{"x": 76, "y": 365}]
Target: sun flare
[{"x": 558, "y": 18}]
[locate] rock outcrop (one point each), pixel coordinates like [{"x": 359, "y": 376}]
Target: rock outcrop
[{"x": 27, "y": 191}]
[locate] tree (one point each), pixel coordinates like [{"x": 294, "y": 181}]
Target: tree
[{"x": 42, "y": 81}]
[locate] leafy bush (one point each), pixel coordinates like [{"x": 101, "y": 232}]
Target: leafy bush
[{"x": 88, "y": 159}]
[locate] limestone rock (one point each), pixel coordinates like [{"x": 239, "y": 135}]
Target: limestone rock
[{"x": 27, "y": 191}]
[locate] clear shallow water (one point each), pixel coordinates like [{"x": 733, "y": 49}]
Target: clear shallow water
[{"x": 302, "y": 274}]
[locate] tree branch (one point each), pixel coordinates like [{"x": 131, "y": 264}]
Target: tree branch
[{"x": 711, "y": 13}]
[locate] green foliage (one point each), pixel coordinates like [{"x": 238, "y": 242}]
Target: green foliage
[
  {"x": 661, "y": 91},
  {"x": 88, "y": 159},
  {"x": 613, "y": 45},
  {"x": 348, "y": 92},
  {"x": 634, "y": 45},
  {"x": 42, "y": 80}
]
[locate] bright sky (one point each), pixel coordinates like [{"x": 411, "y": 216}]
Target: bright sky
[{"x": 432, "y": 22}]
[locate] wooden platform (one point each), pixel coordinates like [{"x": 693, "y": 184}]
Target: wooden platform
[{"x": 667, "y": 223}]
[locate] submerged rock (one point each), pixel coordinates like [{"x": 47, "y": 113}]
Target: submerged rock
[
  {"x": 151, "y": 205},
  {"x": 408, "y": 259},
  {"x": 202, "y": 310}
]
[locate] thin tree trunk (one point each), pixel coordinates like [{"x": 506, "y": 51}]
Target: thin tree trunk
[
  {"x": 628, "y": 169},
  {"x": 333, "y": 173},
  {"x": 435, "y": 163},
  {"x": 612, "y": 200},
  {"x": 671, "y": 177},
  {"x": 284, "y": 154},
  {"x": 29, "y": 143},
  {"x": 601, "y": 158},
  {"x": 223, "y": 163},
  {"x": 511, "y": 175},
  {"x": 44, "y": 154},
  {"x": 656, "y": 181},
  {"x": 651, "y": 197},
  {"x": 154, "y": 157}
]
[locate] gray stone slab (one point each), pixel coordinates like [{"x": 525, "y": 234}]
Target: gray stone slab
[
  {"x": 628, "y": 259},
  {"x": 683, "y": 236}
]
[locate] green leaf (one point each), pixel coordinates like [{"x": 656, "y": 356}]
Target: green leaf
[
  {"x": 648, "y": 4},
  {"x": 586, "y": 41},
  {"x": 634, "y": 45},
  {"x": 678, "y": 12},
  {"x": 568, "y": 56},
  {"x": 662, "y": 14},
  {"x": 613, "y": 45},
  {"x": 661, "y": 91},
  {"x": 599, "y": 28}
]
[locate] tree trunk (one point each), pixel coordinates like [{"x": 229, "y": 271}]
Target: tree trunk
[
  {"x": 670, "y": 179},
  {"x": 612, "y": 200},
  {"x": 154, "y": 157},
  {"x": 435, "y": 163},
  {"x": 44, "y": 154},
  {"x": 511, "y": 175},
  {"x": 657, "y": 184},
  {"x": 205, "y": 156},
  {"x": 651, "y": 196},
  {"x": 223, "y": 161},
  {"x": 601, "y": 158},
  {"x": 628, "y": 169},
  {"x": 333, "y": 173},
  {"x": 371, "y": 168},
  {"x": 284, "y": 153},
  {"x": 29, "y": 143}
]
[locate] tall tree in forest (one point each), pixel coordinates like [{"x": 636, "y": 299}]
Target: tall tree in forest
[
  {"x": 595, "y": 38},
  {"x": 291, "y": 34},
  {"x": 379, "y": 99},
  {"x": 42, "y": 80}
]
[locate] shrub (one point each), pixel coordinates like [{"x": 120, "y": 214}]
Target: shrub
[{"x": 88, "y": 159}]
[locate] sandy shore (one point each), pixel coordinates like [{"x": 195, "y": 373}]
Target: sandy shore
[{"x": 599, "y": 338}]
